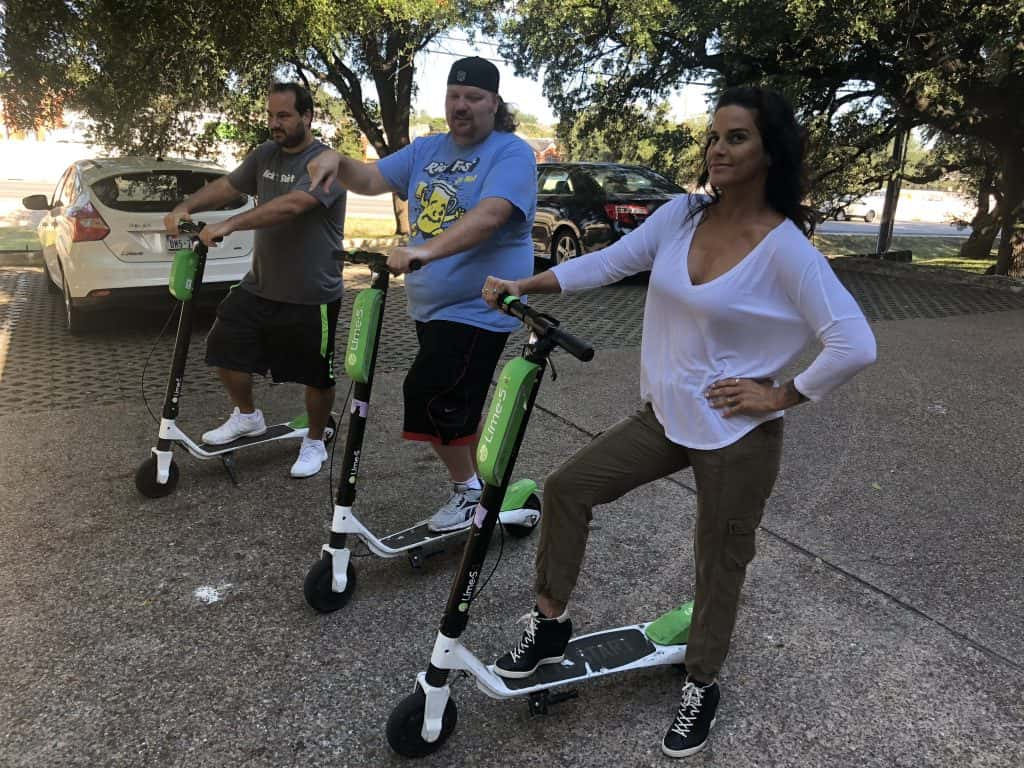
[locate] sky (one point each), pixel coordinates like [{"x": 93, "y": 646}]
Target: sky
[{"x": 525, "y": 94}]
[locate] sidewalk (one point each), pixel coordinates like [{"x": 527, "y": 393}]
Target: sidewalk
[{"x": 880, "y": 625}]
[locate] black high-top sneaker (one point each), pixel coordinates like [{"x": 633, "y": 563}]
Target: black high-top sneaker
[
  {"x": 694, "y": 719},
  {"x": 543, "y": 642}
]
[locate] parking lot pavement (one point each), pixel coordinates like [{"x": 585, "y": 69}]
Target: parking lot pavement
[{"x": 880, "y": 624}]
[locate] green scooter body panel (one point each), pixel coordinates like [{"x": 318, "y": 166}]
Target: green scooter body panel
[
  {"x": 183, "y": 274},
  {"x": 362, "y": 334},
  {"x": 517, "y": 493},
  {"x": 673, "y": 627},
  {"x": 504, "y": 417}
]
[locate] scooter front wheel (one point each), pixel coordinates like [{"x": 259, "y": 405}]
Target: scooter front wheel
[
  {"x": 145, "y": 479},
  {"x": 522, "y": 531},
  {"x": 405, "y": 726},
  {"x": 319, "y": 590}
]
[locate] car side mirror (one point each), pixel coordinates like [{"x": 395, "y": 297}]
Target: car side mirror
[{"x": 36, "y": 202}]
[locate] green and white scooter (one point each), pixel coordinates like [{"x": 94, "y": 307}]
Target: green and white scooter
[
  {"x": 425, "y": 719},
  {"x": 331, "y": 580},
  {"x": 158, "y": 475}
]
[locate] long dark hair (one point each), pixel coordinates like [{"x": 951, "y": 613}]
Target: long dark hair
[
  {"x": 505, "y": 119},
  {"x": 784, "y": 143}
]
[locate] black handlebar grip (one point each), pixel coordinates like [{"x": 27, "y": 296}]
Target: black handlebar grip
[
  {"x": 415, "y": 264},
  {"x": 193, "y": 228},
  {"x": 578, "y": 348}
]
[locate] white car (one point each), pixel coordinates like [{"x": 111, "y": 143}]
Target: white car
[
  {"x": 862, "y": 208},
  {"x": 103, "y": 238}
]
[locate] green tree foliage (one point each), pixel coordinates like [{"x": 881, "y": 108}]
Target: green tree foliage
[
  {"x": 637, "y": 137},
  {"x": 859, "y": 72},
  {"x": 144, "y": 70}
]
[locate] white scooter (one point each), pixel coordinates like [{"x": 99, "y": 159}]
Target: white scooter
[
  {"x": 331, "y": 580},
  {"x": 425, "y": 719},
  {"x": 158, "y": 474}
]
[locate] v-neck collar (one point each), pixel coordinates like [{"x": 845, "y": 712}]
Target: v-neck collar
[{"x": 735, "y": 267}]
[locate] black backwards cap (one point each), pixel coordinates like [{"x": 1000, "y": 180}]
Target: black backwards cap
[{"x": 474, "y": 71}]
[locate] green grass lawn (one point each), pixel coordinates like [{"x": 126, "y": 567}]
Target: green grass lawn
[
  {"x": 927, "y": 251},
  {"x": 18, "y": 239},
  {"x": 359, "y": 228},
  {"x": 24, "y": 238}
]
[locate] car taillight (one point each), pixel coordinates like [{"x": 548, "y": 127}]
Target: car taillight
[
  {"x": 631, "y": 216},
  {"x": 86, "y": 224}
]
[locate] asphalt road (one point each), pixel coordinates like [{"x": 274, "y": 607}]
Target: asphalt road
[{"x": 904, "y": 228}]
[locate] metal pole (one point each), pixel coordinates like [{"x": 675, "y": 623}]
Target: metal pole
[{"x": 892, "y": 191}]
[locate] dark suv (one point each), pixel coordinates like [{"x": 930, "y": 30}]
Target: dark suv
[{"x": 582, "y": 207}]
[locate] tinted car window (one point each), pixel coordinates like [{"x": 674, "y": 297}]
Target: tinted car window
[
  {"x": 556, "y": 182},
  {"x": 632, "y": 181},
  {"x": 154, "y": 191}
]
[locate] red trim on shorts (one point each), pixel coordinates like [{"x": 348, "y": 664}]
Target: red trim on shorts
[{"x": 425, "y": 438}]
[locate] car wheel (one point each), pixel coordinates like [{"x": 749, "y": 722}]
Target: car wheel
[
  {"x": 840, "y": 215},
  {"x": 869, "y": 216},
  {"x": 564, "y": 247},
  {"x": 72, "y": 315}
]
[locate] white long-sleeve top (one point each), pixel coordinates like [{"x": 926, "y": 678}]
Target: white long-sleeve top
[{"x": 750, "y": 322}]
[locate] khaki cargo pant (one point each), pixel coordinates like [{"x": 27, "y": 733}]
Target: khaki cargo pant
[{"x": 733, "y": 485}]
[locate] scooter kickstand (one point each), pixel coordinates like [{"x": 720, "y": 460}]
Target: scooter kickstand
[
  {"x": 541, "y": 700},
  {"x": 228, "y": 460}
]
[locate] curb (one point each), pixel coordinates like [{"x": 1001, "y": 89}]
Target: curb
[{"x": 999, "y": 283}]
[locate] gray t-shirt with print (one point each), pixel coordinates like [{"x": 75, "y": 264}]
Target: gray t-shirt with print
[{"x": 299, "y": 260}]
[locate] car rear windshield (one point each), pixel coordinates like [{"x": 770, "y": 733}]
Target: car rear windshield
[
  {"x": 632, "y": 181},
  {"x": 155, "y": 191}
]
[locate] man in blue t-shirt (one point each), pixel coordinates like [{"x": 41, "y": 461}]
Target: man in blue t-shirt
[{"x": 472, "y": 194}]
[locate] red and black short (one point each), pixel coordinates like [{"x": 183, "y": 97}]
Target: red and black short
[
  {"x": 295, "y": 342},
  {"x": 446, "y": 387}
]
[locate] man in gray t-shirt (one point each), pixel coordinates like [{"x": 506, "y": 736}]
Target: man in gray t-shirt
[{"x": 283, "y": 315}]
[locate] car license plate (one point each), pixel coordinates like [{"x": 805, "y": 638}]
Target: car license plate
[{"x": 175, "y": 243}]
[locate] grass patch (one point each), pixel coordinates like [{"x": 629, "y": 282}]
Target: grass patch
[
  {"x": 358, "y": 228},
  {"x": 18, "y": 239},
  {"x": 977, "y": 266},
  {"x": 24, "y": 238},
  {"x": 928, "y": 251}
]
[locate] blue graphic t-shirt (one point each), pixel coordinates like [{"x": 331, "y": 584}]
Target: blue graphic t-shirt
[{"x": 442, "y": 180}]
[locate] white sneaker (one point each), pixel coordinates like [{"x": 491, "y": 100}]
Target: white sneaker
[
  {"x": 238, "y": 425},
  {"x": 312, "y": 456},
  {"x": 457, "y": 512}
]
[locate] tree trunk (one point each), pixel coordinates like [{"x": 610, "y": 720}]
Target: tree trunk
[
  {"x": 986, "y": 224},
  {"x": 984, "y": 229},
  {"x": 1011, "y": 246},
  {"x": 401, "y": 208}
]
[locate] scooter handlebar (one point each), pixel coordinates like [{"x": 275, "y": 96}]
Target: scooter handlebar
[
  {"x": 546, "y": 327},
  {"x": 378, "y": 260},
  {"x": 193, "y": 228}
]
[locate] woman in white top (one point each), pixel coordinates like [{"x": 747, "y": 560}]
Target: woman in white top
[{"x": 736, "y": 293}]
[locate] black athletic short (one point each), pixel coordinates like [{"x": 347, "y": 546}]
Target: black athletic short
[
  {"x": 446, "y": 387},
  {"x": 295, "y": 342}
]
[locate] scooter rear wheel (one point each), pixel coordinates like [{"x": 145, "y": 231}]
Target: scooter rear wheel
[
  {"x": 145, "y": 479},
  {"x": 405, "y": 726},
  {"x": 522, "y": 531},
  {"x": 331, "y": 431},
  {"x": 319, "y": 591}
]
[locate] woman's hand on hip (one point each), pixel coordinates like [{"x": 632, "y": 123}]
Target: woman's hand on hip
[
  {"x": 495, "y": 288},
  {"x": 733, "y": 396}
]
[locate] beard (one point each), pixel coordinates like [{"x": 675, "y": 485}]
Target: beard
[{"x": 292, "y": 139}]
